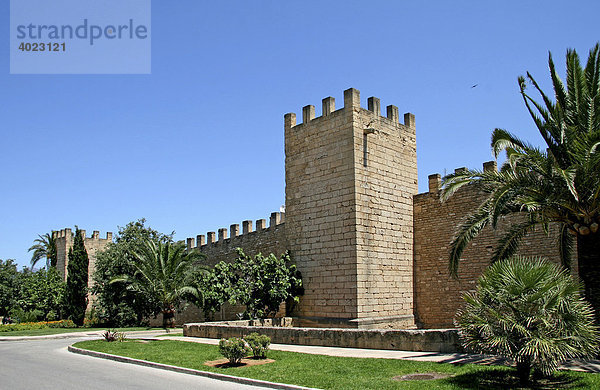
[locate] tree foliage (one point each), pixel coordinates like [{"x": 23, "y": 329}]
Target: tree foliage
[
  {"x": 117, "y": 304},
  {"x": 531, "y": 311},
  {"x": 217, "y": 287},
  {"x": 38, "y": 295},
  {"x": 559, "y": 185},
  {"x": 77, "y": 280},
  {"x": 9, "y": 283},
  {"x": 162, "y": 275},
  {"x": 260, "y": 283},
  {"x": 44, "y": 247},
  {"x": 43, "y": 292}
]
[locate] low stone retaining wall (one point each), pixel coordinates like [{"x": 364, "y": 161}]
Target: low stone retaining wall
[{"x": 281, "y": 331}]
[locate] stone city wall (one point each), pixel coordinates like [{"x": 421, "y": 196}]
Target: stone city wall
[
  {"x": 222, "y": 246},
  {"x": 437, "y": 294},
  {"x": 261, "y": 239},
  {"x": 372, "y": 252}
]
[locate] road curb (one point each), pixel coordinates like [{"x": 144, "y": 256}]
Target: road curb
[
  {"x": 189, "y": 371},
  {"x": 75, "y": 335},
  {"x": 49, "y": 337}
]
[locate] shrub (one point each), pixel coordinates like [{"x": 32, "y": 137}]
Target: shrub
[
  {"x": 32, "y": 316},
  {"x": 531, "y": 311},
  {"x": 51, "y": 316},
  {"x": 37, "y": 325},
  {"x": 61, "y": 324},
  {"x": 21, "y": 316},
  {"x": 112, "y": 335},
  {"x": 91, "y": 319},
  {"x": 259, "y": 344},
  {"x": 234, "y": 349}
]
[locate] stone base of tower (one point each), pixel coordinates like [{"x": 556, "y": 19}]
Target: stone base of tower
[{"x": 394, "y": 322}]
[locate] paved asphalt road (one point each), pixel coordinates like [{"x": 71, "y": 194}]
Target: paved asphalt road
[{"x": 46, "y": 364}]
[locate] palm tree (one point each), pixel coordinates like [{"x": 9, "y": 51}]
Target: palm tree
[
  {"x": 162, "y": 273},
  {"x": 531, "y": 311},
  {"x": 44, "y": 247},
  {"x": 559, "y": 185}
]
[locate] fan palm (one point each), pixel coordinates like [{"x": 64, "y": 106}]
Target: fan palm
[
  {"x": 44, "y": 247},
  {"x": 531, "y": 311},
  {"x": 558, "y": 185},
  {"x": 162, "y": 273}
]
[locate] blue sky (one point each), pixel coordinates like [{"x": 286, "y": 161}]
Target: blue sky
[{"x": 198, "y": 144}]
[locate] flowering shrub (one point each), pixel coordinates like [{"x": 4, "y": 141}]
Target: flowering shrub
[
  {"x": 259, "y": 344},
  {"x": 234, "y": 349},
  {"x": 23, "y": 326},
  {"x": 61, "y": 324},
  {"x": 92, "y": 322},
  {"x": 37, "y": 325}
]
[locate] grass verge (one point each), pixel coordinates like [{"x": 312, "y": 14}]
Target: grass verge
[
  {"x": 49, "y": 331},
  {"x": 329, "y": 372}
]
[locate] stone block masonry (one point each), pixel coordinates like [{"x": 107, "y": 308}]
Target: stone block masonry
[
  {"x": 350, "y": 178},
  {"x": 93, "y": 245},
  {"x": 373, "y": 253},
  {"x": 264, "y": 239},
  {"x": 285, "y": 331},
  {"x": 437, "y": 294}
]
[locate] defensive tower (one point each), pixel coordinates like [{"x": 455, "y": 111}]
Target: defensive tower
[
  {"x": 351, "y": 175},
  {"x": 93, "y": 244}
]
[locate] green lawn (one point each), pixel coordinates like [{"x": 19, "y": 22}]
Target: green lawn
[
  {"x": 47, "y": 331},
  {"x": 328, "y": 372}
]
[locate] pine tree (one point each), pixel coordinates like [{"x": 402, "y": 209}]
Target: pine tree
[{"x": 77, "y": 280}]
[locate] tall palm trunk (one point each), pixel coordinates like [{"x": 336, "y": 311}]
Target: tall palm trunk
[{"x": 588, "y": 256}]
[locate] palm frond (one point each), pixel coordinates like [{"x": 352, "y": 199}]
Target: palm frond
[
  {"x": 557, "y": 83},
  {"x": 44, "y": 248},
  {"x": 465, "y": 233},
  {"x": 455, "y": 181},
  {"x": 565, "y": 246},
  {"x": 509, "y": 243}
]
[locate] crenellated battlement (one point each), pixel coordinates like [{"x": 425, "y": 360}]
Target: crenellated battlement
[
  {"x": 211, "y": 239},
  {"x": 93, "y": 244},
  {"x": 435, "y": 180},
  {"x": 68, "y": 233},
  {"x": 351, "y": 102},
  {"x": 372, "y": 251}
]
